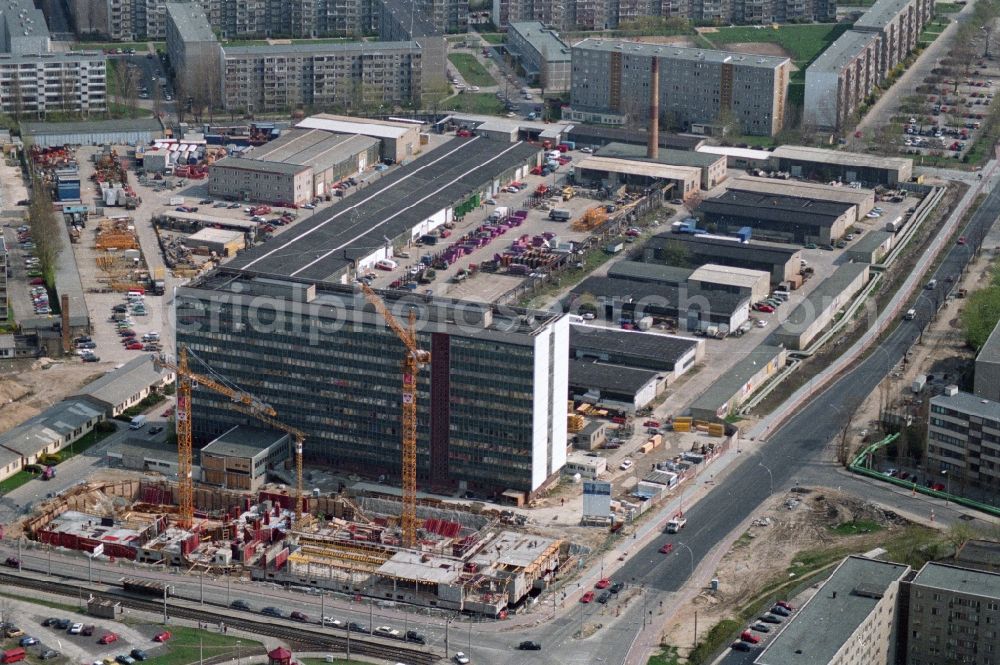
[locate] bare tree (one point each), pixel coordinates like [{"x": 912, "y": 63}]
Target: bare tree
[{"x": 45, "y": 230}]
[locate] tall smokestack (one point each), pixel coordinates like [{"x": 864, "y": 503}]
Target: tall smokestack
[{"x": 653, "y": 149}]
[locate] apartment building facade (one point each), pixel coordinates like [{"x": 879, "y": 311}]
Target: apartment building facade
[
  {"x": 605, "y": 14},
  {"x": 490, "y": 403},
  {"x": 194, "y": 52},
  {"x": 953, "y": 616},
  {"x": 963, "y": 438},
  {"x": 841, "y": 78},
  {"x": 900, "y": 23},
  {"x": 350, "y": 76},
  {"x": 71, "y": 82},
  {"x": 700, "y": 90},
  {"x": 4, "y": 267},
  {"x": 544, "y": 57},
  {"x": 398, "y": 21}
]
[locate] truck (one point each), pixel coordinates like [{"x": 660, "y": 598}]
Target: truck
[
  {"x": 918, "y": 384},
  {"x": 138, "y": 422},
  {"x": 894, "y": 225},
  {"x": 499, "y": 213},
  {"x": 676, "y": 524},
  {"x": 560, "y": 215}
]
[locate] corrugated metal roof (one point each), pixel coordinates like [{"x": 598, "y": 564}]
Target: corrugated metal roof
[{"x": 649, "y": 169}]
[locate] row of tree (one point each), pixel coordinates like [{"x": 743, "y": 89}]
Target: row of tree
[{"x": 45, "y": 231}]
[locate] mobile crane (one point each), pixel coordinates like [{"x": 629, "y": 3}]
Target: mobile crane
[{"x": 414, "y": 359}]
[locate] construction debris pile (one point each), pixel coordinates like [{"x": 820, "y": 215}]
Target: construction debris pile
[{"x": 123, "y": 266}]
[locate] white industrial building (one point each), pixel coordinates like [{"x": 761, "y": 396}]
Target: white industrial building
[{"x": 821, "y": 306}]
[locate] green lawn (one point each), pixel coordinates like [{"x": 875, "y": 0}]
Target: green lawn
[
  {"x": 802, "y": 42},
  {"x": 947, "y": 8},
  {"x": 474, "y": 102},
  {"x": 140, "y": 47},
  {"x": 471, "y": 69},
  {"x": 856, "y": 527},
  {"x": 187, "y": 645},
  {"x": 492, "y": 37}
]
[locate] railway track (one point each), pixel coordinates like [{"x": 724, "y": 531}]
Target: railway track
[{"x": 299, "y": 636}]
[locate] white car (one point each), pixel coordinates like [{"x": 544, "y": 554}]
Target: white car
[
  {"x": 626, "y": 465},
  {"x": 587, "y": 150},
  {"x": 462, "y": 659},
  {"x": 76, "y": 629},
  {"x": 761, "y": 323},
  {"x": 387, "y": 631},
  {"x": 473, "y": 88},
  {"x": 336, "y": 623}
]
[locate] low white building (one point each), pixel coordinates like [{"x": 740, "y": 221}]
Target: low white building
[{"x": 589, "y": 467}]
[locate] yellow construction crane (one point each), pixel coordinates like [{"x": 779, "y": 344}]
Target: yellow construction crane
[
  {"x": 245, "y": 402},
  {"x": 414, "y": 359}
]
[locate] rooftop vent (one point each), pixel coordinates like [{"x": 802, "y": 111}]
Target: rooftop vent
[
  {"x": 868, "y": 591},
  {"x": 951, "y": 390}
]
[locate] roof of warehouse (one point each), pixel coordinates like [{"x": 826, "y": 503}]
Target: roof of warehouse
[
  {"x": 198, "y": 218},
  {"x": 831, "y": 617},
  {"x": 121, "y": 384},
  {"x": 602, "y": 376},
  {"x": 326, "y": 243},
  {"x": 802, "y": 189},
  {"x": 729, "y": 151},
  {"x": 258, "y": 165},
  {"x": 666, "y": 295},
  {"x": 841, "y": 52},
  {"x": 317, "y": 148},
  {"x": 761, "y": 206},
  {"x": 871, "y": 241},
  {"x": 191, "y": 21},
  {"x": 667, "y": 140},
  {"x": 962, "y": 580},
  {"x": 585, "y": 337},
  {"x": 670, "y": 51},
  {"x": 819, "y": 299},
  {"x": 731, "y": 382},
  {"x": 880, "y": 13},
  {"x": 649, "y": 272},
  {"x": 90, "y": 126},
  {"x": 840, "y": 157},
  {"x": 766, "y": 251},
  {"x": 383, "y": 129},
  {"x": 633, "y": 167},
  {"x": 667, "y": 156},
  {"x": 741, "y": 277},
  {"x": 243, "y": 441},
  {"x": 50, "y": 426}
]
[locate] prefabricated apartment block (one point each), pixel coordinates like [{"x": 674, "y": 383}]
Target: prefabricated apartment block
[
  {"x": 544, "y": 57},
  {"x": 699, "y": 88}
]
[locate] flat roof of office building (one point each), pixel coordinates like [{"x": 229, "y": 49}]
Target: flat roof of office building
[
  {"x": 632, "y": 151},
  {"x": 23, "y": 18},
  {"x": 842, "y": 52},
  {"x": 191, "y": 21},
  {"x": 681, "y": 52},
  {"x": 545, "y": 41},
  {"x": 821, "y": 627},
  {"x": 629, "y": 342},
  {"x": 320, "y": 247},
  {"x": 801, "y": 189},
  {"x": 243, "y": 441},
  {"x": 649, "y": 272},
  {"x": 840, "y": 157},
  {"x": 633, "y": 167},
  {"x": 970, "y": 404},
  {"x": 320, "y": 149},
  {"x": 731, "y": 382},
  {"x": 880, "y": 13},
  {"x": 316, "y": 47},
  {"x": 774, "y": 207}
]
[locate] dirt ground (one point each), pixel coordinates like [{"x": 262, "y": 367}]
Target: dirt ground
[
  {"x": 758, "y": 48},
  {"x": 32, "y": 385},
  {"x": 761, "y": 557}
]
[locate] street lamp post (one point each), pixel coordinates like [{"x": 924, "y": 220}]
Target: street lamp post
[
  {"x": 690, "y": 554},
  {"x": 947, "y": 492},
  {"x": 770, "y": 475}
]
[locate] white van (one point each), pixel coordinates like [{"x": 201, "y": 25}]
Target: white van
[
  {"x": 781, "y": 294},
  {"x": 931, "y": 285},
  {"x": 910, "y": 314},
  {"x": 138, "y": 422}
]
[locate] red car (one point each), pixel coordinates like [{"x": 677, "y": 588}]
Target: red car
[
  {"x": 747, "y": 636},
  {"x": 298, "y": 616},
  {"x": 162, "y": 637},
  {"x": 134, "y": 346},
  {"x": 763, "y": 307},
  {"x": 788, "y": 606},
  {"x": 108, "y": 638},
  {"x": 961, "y": 240},
  {"x": 667, "y": 548},
  {"x": 587, "y": 597},
  {"x": 652, "y": 423},
  {"x": 603, "y": 584}
]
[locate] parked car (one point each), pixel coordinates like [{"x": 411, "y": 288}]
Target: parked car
[
  {"x": 63, "y": 624},
  {"x": 786, "y": 605},
  {"x": 88, "y": 630},
  {"x": 298, "y": 616},
  {"x": 529, "y": 645},
  {"x": 138, "y": 654},
  {"x": 461, "y": 658},
  {"x": 108, "y": 638},
  {"x": 603, "y": 583},
  {"x": 587, "y": 597},
  {"x": 761, "y": 627},
  {"x": 162, "y": 636},
  {"x": 388, "y": 631},
  {"x": 356, "y": 628},
  {"x": 616, "y": 587},
  {"x": 76, "y": 629},
  {"x": 27, "y": 641},
  {"x": 780, "y": 611},
  {"x": 747, "y": 636},
  {"x": 336, "y": 623},
  {"x": 124, "y": 659},
  {"x": 771, "y": 618},
  {"x": 14, "y": 562},
  {"x": 603, "y": 598},
  {"x": 739, "y": 645},
  {"x": 272, "y": 612},
  {"x": 415, "y": 637},
  {"x": 49, "y": 654}
]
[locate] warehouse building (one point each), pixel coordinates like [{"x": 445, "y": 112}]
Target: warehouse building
[
  {"x": 713, "y": 167},
  {"x": 411, "y": 201},
  {"x": 948, "y": 601},
  {"x": 960, "y": 438},
  {"x": 678, "y": 181},
  {"x": 640, "y": 271},
  {"x": 782, "y": 261},
  {"x": 137, "y": 131},
  {"x": 711, "y": 279},
  {"x": 821, "y": 306},
  {"x": 283, "y": 165},
  {"x": 125, "y": 386},
  {"x": 220, "y": 242},
  {"x": 826, "y": 165},
  {"x": 700, "y": 90},
  {"x": 623, "y": 299},
  {"x": 544, "y": 57},
  {"x": 281, "y": 77},
  {"x": 863, "y": 200},
  {"x": 254, "y": 180},
  {"x": 670, "y": 355},
  {"x": 852, "y": 618},
  {"x": 331, "y": 368},
  {"x": 747, "y": 159},
  {"x": 240, "y": 458},
  {"x": 57, "y": 427},
  {"x": 742, "y": 380},
  {"x": 987, "y": 372},
  {"x": 598, "y": 135},
  {"x": 399, "y": 141},
  {"x": 613, "y": 386},
  {"x": 778, "y": 218},
  {"x": 871, "y": 248}
]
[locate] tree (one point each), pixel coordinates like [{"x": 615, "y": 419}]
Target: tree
[
  {"x": 676, "y": 254},
  {"x": 45, "y": 231}
]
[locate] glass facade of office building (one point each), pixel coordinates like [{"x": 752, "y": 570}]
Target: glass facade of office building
[{"x": 486, "y": 401}]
